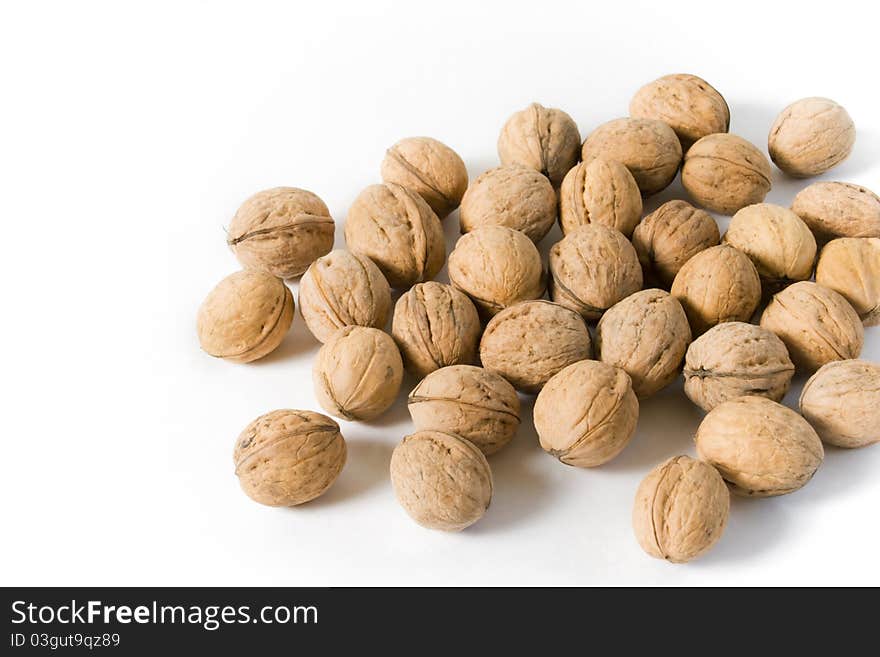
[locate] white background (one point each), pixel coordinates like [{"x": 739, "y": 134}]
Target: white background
[{"x": 129, "y": 138}]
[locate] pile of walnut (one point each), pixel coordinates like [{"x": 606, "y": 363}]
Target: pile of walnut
[{"x": 612, "y": 270}]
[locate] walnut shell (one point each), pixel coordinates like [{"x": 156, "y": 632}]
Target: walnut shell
[
  {"x": 836, "y": 209},
  {"x": 681, "y": 509},
  {"x": 245, "y": 317},
  {"x": 435, "y": 325},
  {"x": 646, "y": 335},
  {"x": 687, "y": 104},
  {"x": 470, "y": 402},
  {"x": 735, "y": 360},
  {"x": 592, "y": 268},
  {"x": 842, "y": 402},
  {"x": 512, "y": 196},
  {"x": 670, "y": 236},
  {"x": 441, "y": 480},
  {"x": 601, "y": 192},
  {"x": 541, "y": 138},
  {"x": 851, "y": 267},
  {"x": 760, "y": 447},
  {"x": 586, "y": 414},
  {"x": 430, "y": 169},
  {"x": 810, "y": 136},
  {"x": 724, "y": 172},
  {"x": 343, "y": 289},
  {"x": 357, "y": 373},
  {"x": 287, "y": 457},
  {"x": 397, "y": 230},
  {"x": 281, "y": 231},
  {"x": 496, "y": 267},
  {"x": 717, "y": 285},
  {"x": 648, "y": 148},
  {"x": 530, "y": 342}
]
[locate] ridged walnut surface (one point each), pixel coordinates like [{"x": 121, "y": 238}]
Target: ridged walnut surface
[
  {"x": 851, "y": 267},
  {"x": 836, "y": 209},
  {"x": 541, "y": 138},
  {"x": 601, "y": 192},
  {"x": 810, "y": 136}
]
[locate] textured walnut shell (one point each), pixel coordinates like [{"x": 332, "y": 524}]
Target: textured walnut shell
[
  {"x": 496, "y": 267},
  {"x": 717, "y": 285},
  {"x": 530, "y": 342},
  {"x": 760, "y": 447},
  {"x": 842, "y": 402},
  {"x": 441, "y": 480},
  {"x": 601, "y": 192},
  {"x": 816, "y": 324},
  {"x": 810, "y": 136},
  {"x": 343, "y": 289},
  {"x": 286, "y": 457},
  {"x": 736, "y": 360},
  {"x": 435, "y": 325},
  {"x": 592, "y": 268},
  {"x": 540, "y": 138},
  {"x": 724, "y": 173},
  {"x": 245, "y": 317},
  {"x": 648, "y": 148},
  {"x": 357, "y": 373},
  {"x": 836, "y": 209},
  {"x": 670, "y": 236},
  {"x": 512, "y": 196},
  {"x": 397, "y": 230},
  {"x": 281, "y": 231},
  {"x": 646, "y": 335},
  {"x": 470, "y": 402},
  {"x": 430, "y": 169},
  {"x": 851, "y": 267},
  {"x": 681, "y": 509},
  {"x": 586, "y": 414}
]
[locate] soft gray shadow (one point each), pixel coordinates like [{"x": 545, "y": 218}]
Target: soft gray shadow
[
  {"x": 754, "y": 526},
  {"x": 398, "y": 412},
  {"x": 299, "y": 340},
  {"x": 865, "y": 155},
  {"x": 367, "y": 467},
  {"x": 843, "y": 472},
  {"x": 752, "y": 121}
]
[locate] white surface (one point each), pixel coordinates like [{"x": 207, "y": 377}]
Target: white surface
[{"x": 130, "y": 136}]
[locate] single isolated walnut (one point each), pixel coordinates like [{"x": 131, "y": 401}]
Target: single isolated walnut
[
  {"x": 648, "y": 148},
  {"x": 441, "y": 480},
  {"x": 397, "y": 230},
  {"x": 836, "y": 209},
  {"x": 512, "y": 196},
  {"x": 646, "y": 335},
  {"x": 343, "y": 289},
  {"x": 760, "y": 447},
  {"x": 724, "y": 172},
  {"x": 669, "y": 237},
  {"x": 530, "y": 342},
  {"x": 586, "y": 414},
  {"x": 281, "y": 231},
  {"x": 430, "y": 169},
  {"x": 601, "y": 192},
  {"x": 810, "y": 136},
  {"x": 592, "y": 268},
  {"x": 842, "y": 402},
  {"x": 851, "y": 267},
  {"x": 736, "y": 360},
  {"x": 681, "y": 509},
  {"x": 467, "y": 401},
  {"x": 435, "y": 325},
  {"x": 357, "y": 373},
  {"x": 288, "y": 457},
  {"x": 816, "y": 324},
  {"x": 541, "y": 138},
  {"x": 245, "y": 317}
]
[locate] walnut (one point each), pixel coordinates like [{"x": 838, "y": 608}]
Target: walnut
[
  {"x": 735, "y": 360},
  {"x": 586, "y": 414},
  {"x": 245, "y": 317},
  {"x": 842, "y": 402},
  {"x": 531, "y": 341},
  {"x": 467, "y": 401},
  {"x": 441, "y": 480},
  {"x": 435, "y": 325},
  {"x": 836, "y": 209},
  {"x": 681, "y": 509},
  {"x": 281, "y": 231},
  {"x": 810, "y": 136},
  {"x": 601, "y": 192},
  {"x": 287, "y": 457},
  {"x": 760, "y": 447},
  {"x": 592, "y": 268},
  {"x": 851, "y": 267}
]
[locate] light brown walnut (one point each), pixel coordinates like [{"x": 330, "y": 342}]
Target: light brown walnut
[
  {"x": 811, "y": 136},
  {"x": 842, "y": 402},
  {"x": 836, "y": 209},
  {"x": 851, "y": 267},
  {"x": 601, "y": 192}
]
